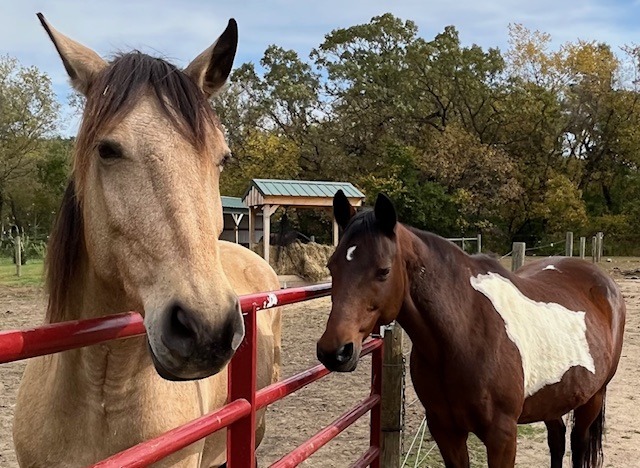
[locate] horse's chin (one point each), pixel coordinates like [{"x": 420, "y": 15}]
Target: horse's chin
[
  {"x": 346, "y": 367},
  {"x": 180, "y": 375}
]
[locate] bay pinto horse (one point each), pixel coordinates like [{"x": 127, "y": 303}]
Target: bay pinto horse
[
  {"x": 491, "y": 349},
  {"x": 138, "y": 230}
]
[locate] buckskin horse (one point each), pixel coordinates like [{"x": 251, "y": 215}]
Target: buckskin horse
[
  {"x": 138, "y": 230},
  {"x": 491, "y": 349}
]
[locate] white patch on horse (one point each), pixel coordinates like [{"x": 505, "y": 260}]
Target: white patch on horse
[
  {"x": 551, "y": 267},
  {"x": 551, "y": 338},
  {"x": 350, "y": 251}
]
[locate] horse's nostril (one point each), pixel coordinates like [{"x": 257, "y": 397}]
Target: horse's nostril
[
  {"x": 180, "y": 322},
  {"x": 180, "y": 335},
  {"x": 344, "y": 353}
]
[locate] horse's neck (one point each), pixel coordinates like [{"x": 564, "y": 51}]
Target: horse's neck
[
  {"x": 436, "y": 308},
  {"x": 113, "y": 363}
]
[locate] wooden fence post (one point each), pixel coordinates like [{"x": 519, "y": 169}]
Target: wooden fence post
[
  {"x": 18, "y": 247},
  {"x": 479, "y": 242},
  {"x": 600, "y": 236},
  {"x": 392, "y": 397},
  {"x": 568, "y": 246},
  {"x": 583, "y": 247},
  {"x": 594, "y": 249},
  {"x": 517, "y": 255}
]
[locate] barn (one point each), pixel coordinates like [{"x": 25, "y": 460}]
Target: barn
[
  {"x": 247, "y": 218},
  {"x": 236, "y": 221}
]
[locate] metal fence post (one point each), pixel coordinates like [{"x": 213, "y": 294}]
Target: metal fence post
[
  {"x": 377, "y": 377},
  {"x": 241, "y": 435}
]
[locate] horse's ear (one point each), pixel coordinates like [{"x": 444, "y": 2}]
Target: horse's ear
[
  {"x": 211, "y": 68},
  {"x": 385, "y": 214},
  {"x": 342, "y": 209},
  {"x": 82, "y": 64}
]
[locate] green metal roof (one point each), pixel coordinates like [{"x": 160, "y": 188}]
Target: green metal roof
[
  {"x": 233, "y": 205},
  {"x": 303, "y": 188}
]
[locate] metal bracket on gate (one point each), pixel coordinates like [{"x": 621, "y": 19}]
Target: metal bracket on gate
[{"x": 383, "y": 328}]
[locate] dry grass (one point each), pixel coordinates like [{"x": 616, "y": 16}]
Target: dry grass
[{"x": 309, "y": 261}]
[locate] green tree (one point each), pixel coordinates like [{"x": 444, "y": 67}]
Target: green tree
[{"x": 28, "y": 115}]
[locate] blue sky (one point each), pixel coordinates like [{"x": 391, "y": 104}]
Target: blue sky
[{"x": 180, "y": 30}]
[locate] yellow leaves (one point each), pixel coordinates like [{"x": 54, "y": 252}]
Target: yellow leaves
[
  {"x": 590, "y": 63},
  {"x": 562, "y": 206},
  {"x": 529, "y": 58},
  {"x": 262, "y": 155},
  {"x": 267, "y": 155}
]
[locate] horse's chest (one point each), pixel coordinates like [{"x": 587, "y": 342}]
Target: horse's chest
[{"x": 551, "y": 339}]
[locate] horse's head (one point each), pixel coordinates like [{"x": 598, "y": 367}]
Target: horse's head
[
  {"x": 144, "y": 200},
  {"x": 368, "y": 281}
]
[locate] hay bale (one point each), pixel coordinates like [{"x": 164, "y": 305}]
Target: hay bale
[{"x": 308, "y": 261}]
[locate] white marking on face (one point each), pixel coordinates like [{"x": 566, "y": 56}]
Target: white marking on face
[
  {"x": 551, "y": 338},
  {"x": 551, "y": 267},
  {"x": 350, "y": 251}
]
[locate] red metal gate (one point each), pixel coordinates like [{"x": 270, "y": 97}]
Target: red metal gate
[{"x": 239, "y": 414}]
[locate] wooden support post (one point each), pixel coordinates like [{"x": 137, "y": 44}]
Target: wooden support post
[
  {"x": 237, "y": 219},
  {"x": 252, "y": 227},
  {"x": 335, "y": 232},
  {"x": 568, "y": 246},
  {"x": 594, "y": 249},
  {"x": 266, "y": 230},
  {"x": 267, "y": 211},
  {"x": 583, "y": 247},
  {"x": 517, "y": 255},
  {"x": 18, "y": 247},
  {"x": 392, "y": 397},
  {"x": 479, "y": 242}
]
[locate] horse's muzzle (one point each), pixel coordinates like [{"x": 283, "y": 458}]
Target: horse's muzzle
[
  {"x": 342, "y": 359},
  {"x": 189, "y": 348}
]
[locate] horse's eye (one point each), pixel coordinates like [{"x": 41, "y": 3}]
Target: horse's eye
[
  {"x": 109, "y": 150},
  {"x": 225, "y": 159},
  {"x": 382, "y": 273}
]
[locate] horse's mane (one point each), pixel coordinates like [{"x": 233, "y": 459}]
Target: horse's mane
[
  {"x": 114, "y": 93},
  {"x": 364, "y": 223},
  {"x": 443, "y": 246},
  {"x": 63, "y": 253}
]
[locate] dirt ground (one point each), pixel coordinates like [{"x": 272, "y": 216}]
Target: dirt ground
[{"x": 300, "y": 415}]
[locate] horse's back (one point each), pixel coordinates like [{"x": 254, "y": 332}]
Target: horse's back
[
  {"x": 249, "y": 273},
  {"x": 573, "y": 279}
]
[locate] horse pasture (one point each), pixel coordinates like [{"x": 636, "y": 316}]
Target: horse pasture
[{"x": 297, "y": 417}]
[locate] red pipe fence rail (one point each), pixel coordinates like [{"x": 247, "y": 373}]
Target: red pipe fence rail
[{"x": 239, "y": 415}]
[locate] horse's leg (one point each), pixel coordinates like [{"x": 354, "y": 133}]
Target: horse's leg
[
  {"x": 556, "y": 431},
  {"x": 586, "y": 435},
  {"x": 501, "y": 440},
  {"x": 452, "y": 445}
]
